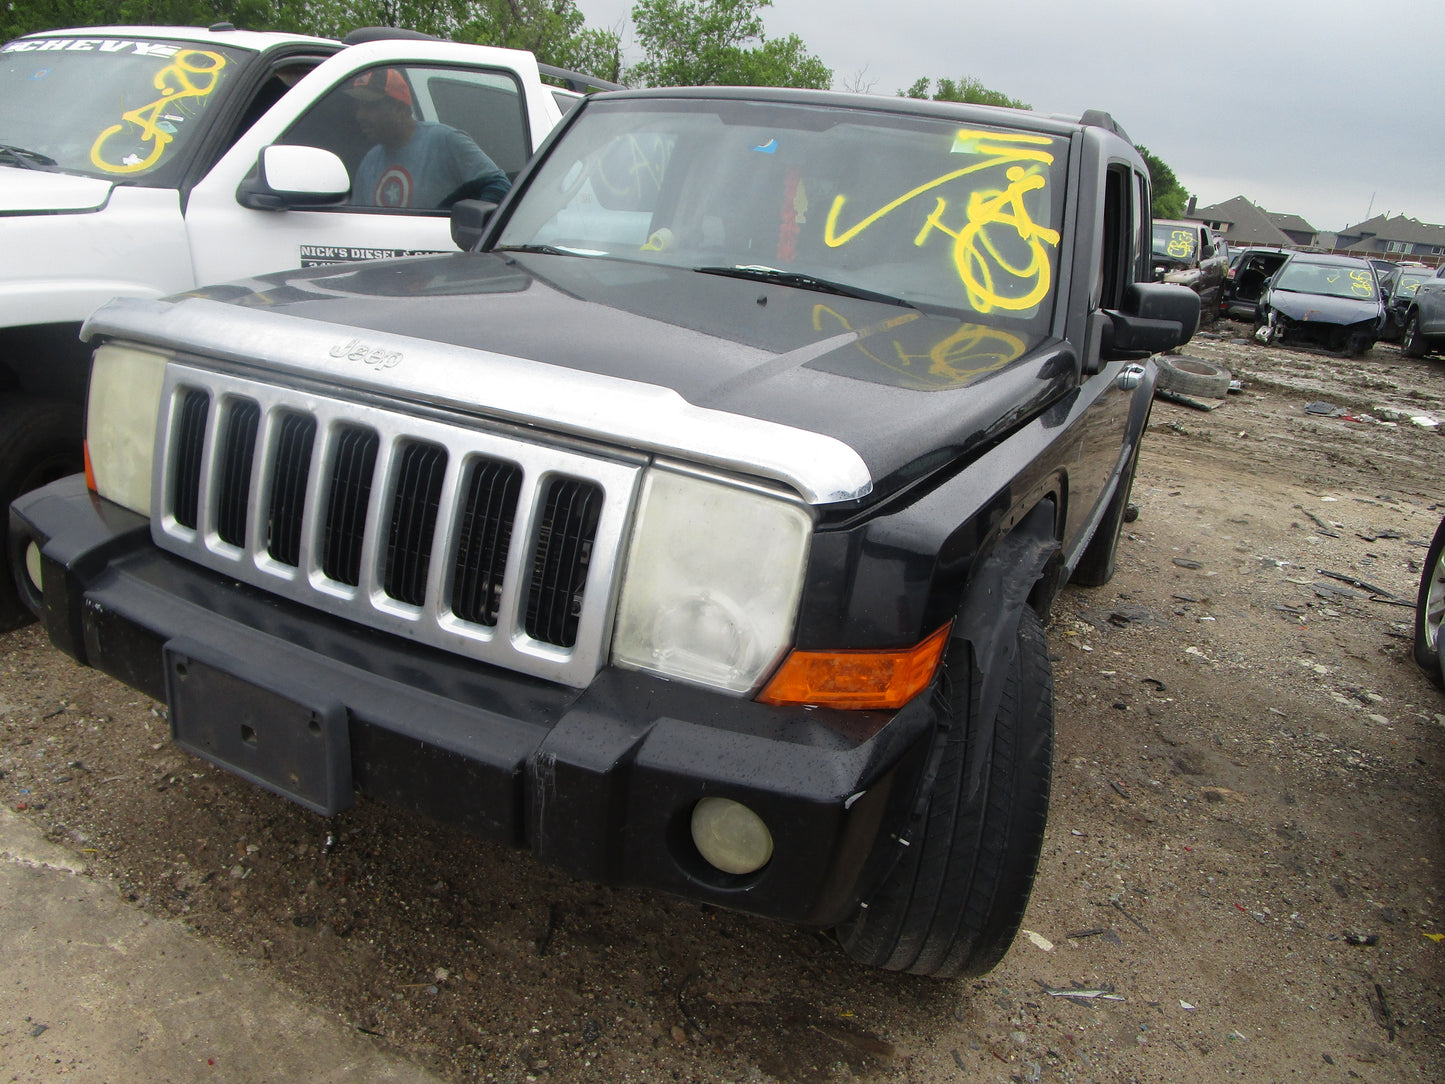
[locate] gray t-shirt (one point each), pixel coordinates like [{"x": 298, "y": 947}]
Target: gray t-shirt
[{"x": 432, "y": 165}]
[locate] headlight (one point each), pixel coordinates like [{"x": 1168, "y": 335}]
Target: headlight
[
  {"x": 120, "y": 424},
  {"x": 712, "y": 582}
]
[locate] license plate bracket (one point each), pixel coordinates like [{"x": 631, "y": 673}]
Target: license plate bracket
[{"x": 279, "y": 736}]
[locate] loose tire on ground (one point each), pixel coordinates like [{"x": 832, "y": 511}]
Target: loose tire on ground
[
  {"x": 40, "y": 441},
  {"x": 1193, "y": 376},
  {"x": 954, "y": 901},
  {"x": 1430, "y": 608}
]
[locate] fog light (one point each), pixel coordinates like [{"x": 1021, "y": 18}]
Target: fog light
[
  {"x": 32, "y": 564},
  {"x": 731, "y": 836}
]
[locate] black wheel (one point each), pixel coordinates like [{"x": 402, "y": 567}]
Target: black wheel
[
  {"x": 1193, "y": 376},
  {"x": 1096, "y": 566},
  {"x": 1412, "y": 343},
  {"x": 40, "y": 441},
  {"x": 953, "y": 903},
  {"x": 1430, "y": 608}
]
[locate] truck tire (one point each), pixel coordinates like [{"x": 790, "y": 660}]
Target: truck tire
[
  {"x": 954, "y": 901},
  {"x": 40, "y": 441},
  {"x": 1193, "y": 376},
  {"x": 1412, "y": 343},
  {"x": 1430, "y": 608},
  {"x": 1096, "y": 566}
]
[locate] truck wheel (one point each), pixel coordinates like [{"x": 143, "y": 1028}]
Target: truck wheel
[
  {"x": 1096, "y": 566},
  {"x": 953, "y": 903},
  {"x": 40, "y": 441},
  {"x": 1193, "y": 376},
  {"x": 1412, "y": 343},
  {"x": 1430, "y": 608}
]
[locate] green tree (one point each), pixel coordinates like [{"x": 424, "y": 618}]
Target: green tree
[
  {"x": 968, "y": 90},
  {"x": 711, "y": 42},
  {"x": 1170, "y": 197}
]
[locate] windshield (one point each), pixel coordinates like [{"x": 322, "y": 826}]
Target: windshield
[
  {"x": 125, "y": 109},
  {"x": 918, "y": 209},
  {"x": 1410, "y": 282},
  {"x": 1330, "y": 280},
  {"x": 1176, "y": 242}
]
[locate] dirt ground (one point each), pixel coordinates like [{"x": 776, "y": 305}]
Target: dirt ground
[{"x": 1242, "y": 876}]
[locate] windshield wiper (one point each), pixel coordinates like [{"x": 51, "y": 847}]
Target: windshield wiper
[
  {"x": 551, "y": 250},
  {"x": 762, "y": 273},
  {"x": 24, "y": 158}
]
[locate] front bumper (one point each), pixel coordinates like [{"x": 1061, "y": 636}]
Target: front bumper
[{"x": 598, "y": 782}]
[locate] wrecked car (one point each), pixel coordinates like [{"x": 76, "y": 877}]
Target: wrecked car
[
  {"x": 1397, "y": 288},
  {"x": 693, "y": 531},
  {"x": 1244, "y": 282},
  {"x": 1321, "y": 300},
  {"x": 1188, "y": 254},
  {"x": 1424, "y": 323}
]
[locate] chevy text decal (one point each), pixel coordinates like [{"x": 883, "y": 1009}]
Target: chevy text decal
[
  {"x": 320, "y": 255},
  {"x": 96, "y": 45}
]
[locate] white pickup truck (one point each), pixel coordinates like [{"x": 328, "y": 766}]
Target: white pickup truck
[{"x": 145, "y": 161}]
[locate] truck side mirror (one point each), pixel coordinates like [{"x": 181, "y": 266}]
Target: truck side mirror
[
  {"x": 294, "y": 176},
  {"x": 469, "y": 221},
  {"x": 1155, "y": 317}
]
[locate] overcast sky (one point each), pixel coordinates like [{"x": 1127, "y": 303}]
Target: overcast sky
[{"x": 1330, "y": 109}]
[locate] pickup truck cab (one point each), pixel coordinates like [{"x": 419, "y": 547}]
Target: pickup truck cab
[
  {"x": 695, "y": 531},
  {"x": 143, "y": 161}
]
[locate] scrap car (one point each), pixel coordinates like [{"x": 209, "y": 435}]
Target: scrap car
[
  {"x": 1321, "y": 300},
  {"x": 1424, "y": 322},
  {"x": 692, "y": 531},
  {"x": 1397, "y": 288},
  {"x": 1244, "y": 282},
  {"x": 1189, "y": 254}
]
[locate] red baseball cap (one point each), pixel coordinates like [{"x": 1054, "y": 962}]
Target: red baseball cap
[{"x": 380, "y": 83}]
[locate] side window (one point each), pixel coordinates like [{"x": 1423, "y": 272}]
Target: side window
[
  {"x": 417, "y": 138},
  {"x": 1119, "y": 237}
]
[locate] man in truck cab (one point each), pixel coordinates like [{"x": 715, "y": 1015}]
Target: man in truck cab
[{"x": 414, "y": 163}]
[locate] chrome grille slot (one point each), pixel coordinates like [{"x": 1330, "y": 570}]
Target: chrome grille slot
[
  {"x": 421, "y": 469},
  {"x": 464, "y": 538},
  {"x": 563, "y": 551},
  {"x": 291, "y": 469},
  {"x": 484, "y": 534},
  {"x": 190, "y": 442},
  {"x": 234, "y": 485},
  {"x": 349, "y": 496}
]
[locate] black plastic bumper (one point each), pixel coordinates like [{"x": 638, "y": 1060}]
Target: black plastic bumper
[{"x": 599, "y": 782}]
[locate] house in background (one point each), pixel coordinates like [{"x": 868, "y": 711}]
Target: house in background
[
  {"x": 1394, "y": 237},
  {"x": 1241, "y": 223}
]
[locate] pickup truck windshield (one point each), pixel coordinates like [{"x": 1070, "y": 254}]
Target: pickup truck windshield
[
  {"x": 1175, "y": 242},
  {"x": 927, "y": 211},
  {"x": 120, "y": 108}
]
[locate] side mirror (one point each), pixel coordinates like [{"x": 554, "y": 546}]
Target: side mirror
[
  {"x": 1155, "y": 317},
  {"x": 469, "y": 221},
  {"x": 287, "y": 176}
]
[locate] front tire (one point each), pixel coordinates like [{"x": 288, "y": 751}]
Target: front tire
[
  {"x": 1412, "y": 343},
  {"x": 1430, "y": 608},
  {"x": 40, "y": 441},
  {"x": 954, "y": 901}
]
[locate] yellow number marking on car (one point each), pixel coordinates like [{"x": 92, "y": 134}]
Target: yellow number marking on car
[{"x": 192, "y": 75}]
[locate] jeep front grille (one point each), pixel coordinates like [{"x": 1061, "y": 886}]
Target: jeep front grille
[{"x": 459, "y": 537}]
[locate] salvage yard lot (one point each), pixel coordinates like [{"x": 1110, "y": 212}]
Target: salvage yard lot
[{"x": 1242, "y": 876}]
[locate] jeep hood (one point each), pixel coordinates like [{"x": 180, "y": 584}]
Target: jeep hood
[
  {"x": 1321, "y": 309},
  {"x": 898, "y": 386},
  {"x": 38, "y": 191}
]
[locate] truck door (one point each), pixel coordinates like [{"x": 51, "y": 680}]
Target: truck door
[{"x": 412, "y": 136}]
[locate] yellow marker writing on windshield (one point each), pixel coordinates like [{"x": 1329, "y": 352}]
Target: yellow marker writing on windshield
[{"x": 191, "y": 75}]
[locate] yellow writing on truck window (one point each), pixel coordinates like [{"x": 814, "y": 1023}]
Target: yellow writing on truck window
[
  {"x": 1362, "y": 282},
  {"x": 1181, "y": 244},
  {"x": 977, "y": 257},
  {"x": 191, "y": 76}
]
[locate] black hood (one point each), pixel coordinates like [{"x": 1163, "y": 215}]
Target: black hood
[
  {"x": 1323, "y": 309},
  {"x": 891, "y": 381}
]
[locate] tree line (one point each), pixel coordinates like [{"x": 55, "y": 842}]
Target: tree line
[{"x": 682, "y": 42}]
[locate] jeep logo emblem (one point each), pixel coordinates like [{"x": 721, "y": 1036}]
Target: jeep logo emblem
[{"x": 356, "y": 350}]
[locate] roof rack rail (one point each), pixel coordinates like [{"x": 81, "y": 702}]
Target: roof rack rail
[{"x": 578, "y": 81}]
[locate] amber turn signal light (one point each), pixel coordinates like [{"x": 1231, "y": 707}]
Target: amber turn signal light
[
  {"x": 871, "y": 679},
  {"x": 89, "y": 470}
]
